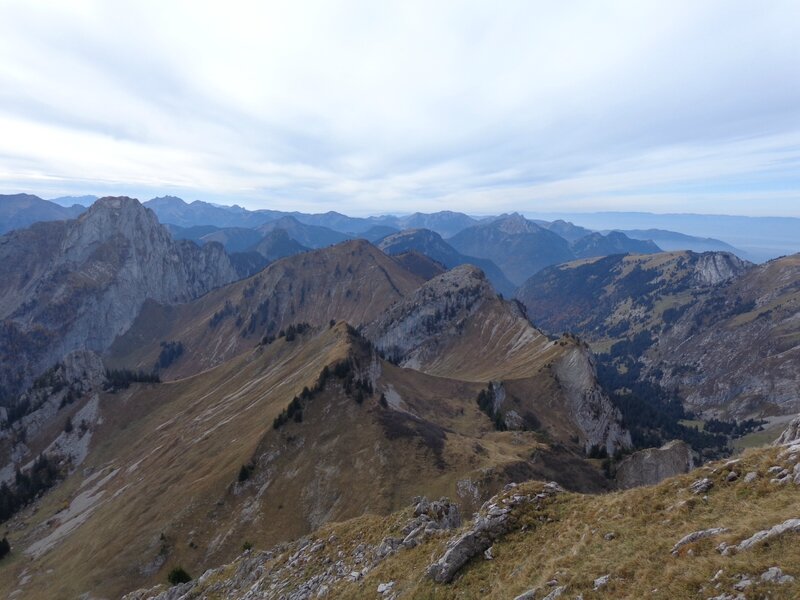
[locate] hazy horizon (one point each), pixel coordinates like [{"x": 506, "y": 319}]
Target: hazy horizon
[{"x": 543, "y": 215}]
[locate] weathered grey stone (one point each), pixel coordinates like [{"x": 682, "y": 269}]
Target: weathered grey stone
[
  {"x": 556, "y": 593},
  {"x": 487, "y": 527},
  {"x": 743, "y": 584},
  {"x": 788, "y": 526},
  {"x": 123, "y": 256},
  {"x": 776, "y": 575},
  {"x": 790, "y": 434},
  {"x": 385, "y": 588},
  {"x": 701, "y": 486},
  {"x": 593, "y": 412},
  {"x": 696, "y": 536},
  {"x": 652, "y": 465}
]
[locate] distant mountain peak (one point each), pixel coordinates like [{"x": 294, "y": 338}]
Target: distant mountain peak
[
  {"x": 515, "y": 223},
  {"x": 169, "y": 201},
  {"x": 114, "y": 203}
]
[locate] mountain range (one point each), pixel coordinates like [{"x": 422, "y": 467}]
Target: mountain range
[
  {"x": 288, "y": 405},
  {"x": 721, "y": 332}
]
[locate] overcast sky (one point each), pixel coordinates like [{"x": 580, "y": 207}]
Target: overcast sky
[{"x": 378, "y": 106}]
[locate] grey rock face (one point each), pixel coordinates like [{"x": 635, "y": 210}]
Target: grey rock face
[
  {"x": 790, "y": 434},
  {"x": 713, "y": 268},
  {"x": 593, "y": 412},
  {"x": 652, "y": 465},
  {"x": 78, "y": 284},
  {"x": 84, "y": 367},
  {"x": 408, "y": 331},
  {"x": 77, "y": 379}
]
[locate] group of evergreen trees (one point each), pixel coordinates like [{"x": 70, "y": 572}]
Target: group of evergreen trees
[
  {"x": 221, "y": 314},
  {"x": 117, "y": 379},
  {"x": 651, "y": 413},
  {"x": 170, "y": 352},
  {"x": 27, "y": 485},
  {"x": 356, "y": 387}
]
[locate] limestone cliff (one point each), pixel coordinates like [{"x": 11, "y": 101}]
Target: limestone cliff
[
  {"x": 78, "y": 284},
  {"x": 599, "y": 420},
  {"x": 456, "y": 326}
]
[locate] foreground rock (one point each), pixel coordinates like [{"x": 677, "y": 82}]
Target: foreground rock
[
  {"x": 494, "y": 521},
  {"x": 790, "y": 434},
  {"x": 311, "y": 567},
  {"x": 697, "y": 536},
  {"x": 765, "y": 535},
  {"x": 652, "y": 465}
]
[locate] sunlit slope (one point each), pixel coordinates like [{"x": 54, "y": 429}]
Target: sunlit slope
[
  {"x": 352, "y": 281},
  {"x": 161, "y": 485}
]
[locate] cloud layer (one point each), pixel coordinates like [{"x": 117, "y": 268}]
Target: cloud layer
[{"x": 371, "y": 107}]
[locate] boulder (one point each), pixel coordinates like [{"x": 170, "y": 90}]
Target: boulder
[{"x": 652, "y": 465}]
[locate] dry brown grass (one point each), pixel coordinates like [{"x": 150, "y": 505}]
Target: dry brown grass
[
  {"x": 177, "y": 449},
  {"x": 566, "y": 541}
]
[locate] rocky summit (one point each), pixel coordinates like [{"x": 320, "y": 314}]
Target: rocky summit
[{"x": 68, "y": 285}]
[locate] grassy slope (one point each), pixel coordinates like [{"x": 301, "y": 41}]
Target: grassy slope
[
  {"x": 171, "y": 454},
  {"x": 175, "y": 449},
  {"x": 566, "y": 539}
]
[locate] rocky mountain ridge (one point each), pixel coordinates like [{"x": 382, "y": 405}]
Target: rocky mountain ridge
[
  {"x": 522, "y": 247},
  {"x": 718, "y": 331},
  {"x": 68, "y": 285}
]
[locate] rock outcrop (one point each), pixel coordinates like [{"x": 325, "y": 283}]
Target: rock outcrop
[
  {"x": 495, "y": 519},
  {"x": 593, "y": 412},
  {"x": 695, "y": 536},
  {"x": 652, "y": 465},
  {"x": 74, "y": 381},
  {"x": 765, "y": 535},
  {"x": 790, "y": 435},
  {"x": 73, "y": 285},
  {"x": 269, "y": 574},
  {"x": 408, "y": 333},
  {"x": 712, "y": 268},
  {"x": 455, "y": 325}
]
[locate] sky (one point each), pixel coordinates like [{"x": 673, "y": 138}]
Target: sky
[{"x": 374, "y": 107}]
